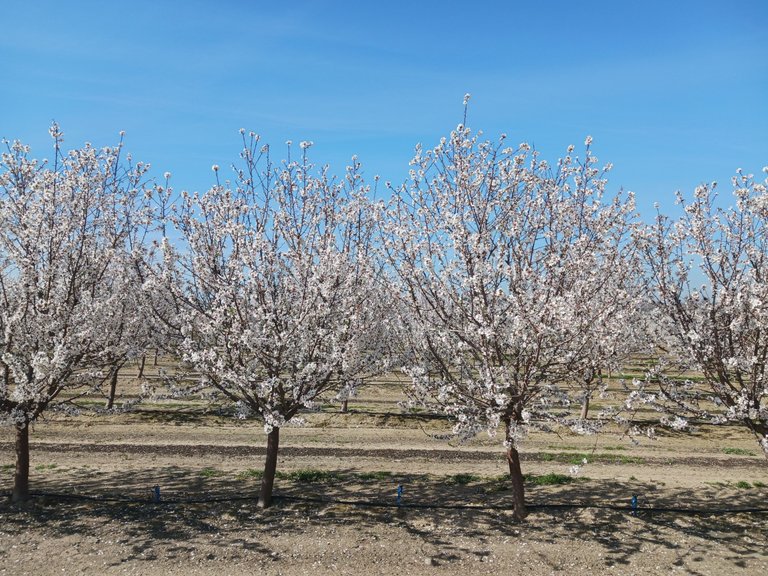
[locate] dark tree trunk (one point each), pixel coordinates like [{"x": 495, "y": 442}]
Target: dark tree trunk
[
  {"x": 345, "y": 406},
  {"x": 142, "y": 362},
  {"x": 270, "y": 467},
  {"x": 585, "y": 407},
  {"x": 154, "y": 362},
  {"x": 518, "y": 482},
  {"x": 112, "y": 386},
  {"x": 761, "y": 433},
  {"x": 21, "y": 477}
]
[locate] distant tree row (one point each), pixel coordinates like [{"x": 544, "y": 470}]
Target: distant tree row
[{"x": 507, "y": 288}]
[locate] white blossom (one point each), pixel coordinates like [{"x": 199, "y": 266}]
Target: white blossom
[
  {"x": 280, "y": 303},
  {"x": 507, "y": 282},
  {"x": 718, "y": 324}
]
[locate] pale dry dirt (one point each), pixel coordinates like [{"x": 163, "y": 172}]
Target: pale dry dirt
[{"x": 93, "y": 513}]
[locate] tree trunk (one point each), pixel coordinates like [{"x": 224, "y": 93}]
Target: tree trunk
[
  {"x": 112, "y": 386},
  {"x": 761, "y": 433},
  {"x": 142, "y": 362},
  {"x": 270, "y": 467},
  {"x": 516, "y": 475},
  {"x": 21, "y": 477},
  {"x": 518, "y": 483},
  {"x": 345, "y": 406},
  {"x": 585, "y": 407},
  {"x": 154, "y": 362}
]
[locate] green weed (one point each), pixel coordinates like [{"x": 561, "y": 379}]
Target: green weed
[
  {"x": 738, "y": 451},
  {"x": 210, "y": 472},
  {"x": 578, "y": 458},
  {"x": 462, "y": 479},
  {"x": 249, "y": 473},
  {"x": 551, "y": 479},
  {"x": 310, "y": 476},
  {"x": 497, "y": 484},
  {"x": 743, "y": 484}
]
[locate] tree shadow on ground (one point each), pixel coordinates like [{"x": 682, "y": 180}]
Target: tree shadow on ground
[{"x": 454, "y": 515}]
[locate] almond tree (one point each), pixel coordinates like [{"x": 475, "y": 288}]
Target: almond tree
[
  {"x": 133, "y": 330},
  {"x": 608, "y": 326},
  {"x": 277, "y": 289},
  {"x": 709, "y": 271},
  {"x": 63, "y": 226},
  {"x": 497, "y": 255}
]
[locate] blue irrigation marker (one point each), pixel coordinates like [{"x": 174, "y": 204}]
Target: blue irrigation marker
[
  {"x": 399, "y": 494},
  {"x": 156, "y": 493},
  {"x": 634, "y": 504}
]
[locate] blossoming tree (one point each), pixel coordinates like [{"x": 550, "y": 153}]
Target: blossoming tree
[
  {"x": 709, "y": 271},
  {"x": 64, "y": 227},
  {"x": 277, "y": 289},
  {"x": 500, "y": 259},
  {"x": 608, "y": 327}
]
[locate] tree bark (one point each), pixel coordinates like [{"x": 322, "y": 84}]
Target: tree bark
[
  {"x": 112, "y": 386},
  {"x": 21, "y": 477},
  {"x": 585, "y": 407},
  {"x": 142, "y": 362},
  {"x": 516, "y": 475},
  {"x": 270, "y": 467},
  {"x": 518, "y": 483},
  {"x": 761, "y": 433},
  {"x": 344, "y": 406}
]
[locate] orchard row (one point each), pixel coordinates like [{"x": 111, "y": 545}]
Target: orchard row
[{"x": 507, "y": 288}]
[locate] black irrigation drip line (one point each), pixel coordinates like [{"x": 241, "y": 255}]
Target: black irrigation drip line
[
  {"x": 133, "y": 500},
  {"x": 531, "y": 506},
  {"x": 379, "y": 504}
]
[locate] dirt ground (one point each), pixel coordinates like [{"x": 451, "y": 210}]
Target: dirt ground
[{"x": 703, "y": 506}]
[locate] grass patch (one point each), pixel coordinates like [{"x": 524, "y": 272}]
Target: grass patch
[
  {"x": 249, "y": 473},
  {"x": 461, "y": 479},
  {"x": 578, "y": 458},
  {"x": 620, "y": 459},
  {"x": 551, "y": 479},
  {"x": 210, "y": 472},
  {"x": 759, "y": 484},
  {"x": 41, "y": 467},
  {"x": 738, "y": 451},
  {"x": 563, "y": 447},
  {"x": 6, "y": 467},
  {"x": 497, "y": 484},
  {"x": 309, "y": 476},
  {"x": 743, "y": 484}
]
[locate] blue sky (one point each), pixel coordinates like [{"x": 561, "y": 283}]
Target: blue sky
[{"x": 674, "y": 93}]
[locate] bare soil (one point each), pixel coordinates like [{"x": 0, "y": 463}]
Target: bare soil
[{"x": 703, "y": 506}]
